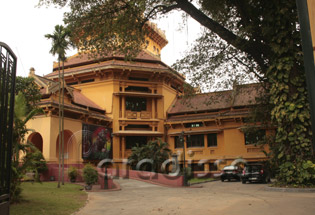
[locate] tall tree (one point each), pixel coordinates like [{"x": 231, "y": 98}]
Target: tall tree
[
  {"x": 60, "y": 43},
  {"x": 259, "y": 37}
]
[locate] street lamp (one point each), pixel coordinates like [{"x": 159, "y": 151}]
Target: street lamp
[{"x": 182, "y": 141}]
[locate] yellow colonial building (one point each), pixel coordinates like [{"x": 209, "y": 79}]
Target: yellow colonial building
[{"x": 112, "y": 104}]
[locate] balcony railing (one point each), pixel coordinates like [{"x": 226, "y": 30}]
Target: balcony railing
[{"x": 138, "y": 115}]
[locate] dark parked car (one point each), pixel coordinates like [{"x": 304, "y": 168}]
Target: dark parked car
[
  {"x": 255, "y": 172},
  {"x": 231, "y": 172}
]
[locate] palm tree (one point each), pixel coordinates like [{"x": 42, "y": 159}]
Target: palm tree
[{"x": 60, "y": 43}]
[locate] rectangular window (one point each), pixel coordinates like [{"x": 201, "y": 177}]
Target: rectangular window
[
  {"x": 138, "y": 127},
  {"x": 212, "y": 140},
  {"x": 193, "y": 125},
  {"x": 254, "y": 137},
  {"x": 72, "y": 83},
  {"x": 87, "y": 81},
  {"x": 213, "y": 167},
  {"x": 132, "y": 141},
  {"x": 138, "y": 79},
  {"x": 197, "y": 167},
  {"x": 136, "y": 104},
  {"x": 178, "y": 142},
  {"x": 195, "y": 141},
  {"x": 137, "y": 89}
]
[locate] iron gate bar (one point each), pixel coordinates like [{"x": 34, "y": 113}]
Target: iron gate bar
[
  {"x": 8, "y": 62},
  {"x": 3, "y": 147}
]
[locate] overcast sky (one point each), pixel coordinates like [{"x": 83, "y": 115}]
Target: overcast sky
[{"x": 23, "y": 27}]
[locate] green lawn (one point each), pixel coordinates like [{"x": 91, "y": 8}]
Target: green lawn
[
  {"x": 198, "y": 180},
  {"x": 47, "y": 199}
]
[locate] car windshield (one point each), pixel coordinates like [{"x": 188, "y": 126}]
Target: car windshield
[
  {"x": 255, "y": 168},
  {"x": 230, "y": 168}
]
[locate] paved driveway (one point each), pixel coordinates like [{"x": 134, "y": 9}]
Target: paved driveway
[{"x": 228, "y": 198}]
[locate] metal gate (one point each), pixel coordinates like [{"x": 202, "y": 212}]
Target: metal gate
[{"x": 7, "y": 87}]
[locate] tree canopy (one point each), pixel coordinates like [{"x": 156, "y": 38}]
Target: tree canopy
[{"x": 260, "y": 38}]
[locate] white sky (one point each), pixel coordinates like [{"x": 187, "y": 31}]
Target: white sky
[{"x": 23, "y": 26}]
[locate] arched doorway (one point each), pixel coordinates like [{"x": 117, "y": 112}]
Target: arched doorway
[
  {"x": 37, "y": 140},
  {"x": 69, "y": 146}
]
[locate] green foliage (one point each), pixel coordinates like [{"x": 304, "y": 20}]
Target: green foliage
[
  {"x": 292, "y": 146},
  {"x": 157, "y": 151},
  {"x": 35, "y": 162},
  {"x": 104, "y": 27},
  {"x": 90, "y": 175},
  {"x": 73, "y": 173},
  {"x": 44, "y": 198},
  {"x": 60, "y": 41},
  {"x": 98, "y": 155},
  {"x": 25, "y": 109},
  {"x": 30, "y": 90}
]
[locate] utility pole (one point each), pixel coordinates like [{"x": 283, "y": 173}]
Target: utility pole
[{"x": 308, "y": 55}]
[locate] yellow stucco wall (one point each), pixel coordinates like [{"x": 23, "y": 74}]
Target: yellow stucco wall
[
  {"x": 153, "y": 47},
  {"x": 169, "y": 96},
  {"x": 42, "y": 125},
  {"x": 230, "y": 144},
  {"x": 48, "y": 128},
  {"x": 100, "y": 92},
  {"x": 311, "y": 12}
]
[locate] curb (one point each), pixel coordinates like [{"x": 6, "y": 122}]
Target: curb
[
  {"x": 291, "y": 190},
  {"x": 153, "y": 182},
  {"x": 163, "y": 185},
  {"x": 117, "y": 188},
  {"x": 203, "y": 182}
]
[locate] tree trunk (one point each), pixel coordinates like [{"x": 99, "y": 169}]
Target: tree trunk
[{"x": 59, "y": 139}]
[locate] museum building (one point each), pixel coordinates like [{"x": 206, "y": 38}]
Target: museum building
[{"x": 111, "y": 104}]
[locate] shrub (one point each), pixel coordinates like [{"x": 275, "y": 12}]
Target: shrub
[
  {"x": 73, "y": 173},
  {"x": 35, "y": 162},
  {"x": 90, "y": 175}
]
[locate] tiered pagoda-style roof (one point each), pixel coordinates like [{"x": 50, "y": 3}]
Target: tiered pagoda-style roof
[{"x": 215, "y": 104}]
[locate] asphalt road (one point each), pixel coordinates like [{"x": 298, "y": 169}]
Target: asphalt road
[{"x": 214, "y": 198}]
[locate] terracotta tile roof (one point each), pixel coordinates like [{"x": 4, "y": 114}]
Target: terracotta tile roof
[
  {"x": 82, "y": 63},
  {"x": 78, "y": 59},
  {"x": 207, "y": 116},
  {"x": 80, "y": 99},
  {"x": 111, "y": 63},
  {"x": 76, "y": 108},
  {"x": 76, "y": 96},
  {"x": 242, "y": 95}
]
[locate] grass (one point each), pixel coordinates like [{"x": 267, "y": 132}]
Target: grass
[
  {"x": 46, "y": 198},
  {"x": 199, "y": 180}
]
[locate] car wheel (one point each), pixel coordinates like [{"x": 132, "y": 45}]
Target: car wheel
[
  {"x": 229, "y": 179},
  {"x": 267, "y": 180},
  {"x": 243, "y": 181},
  {"x": 222, "y": 179}
]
